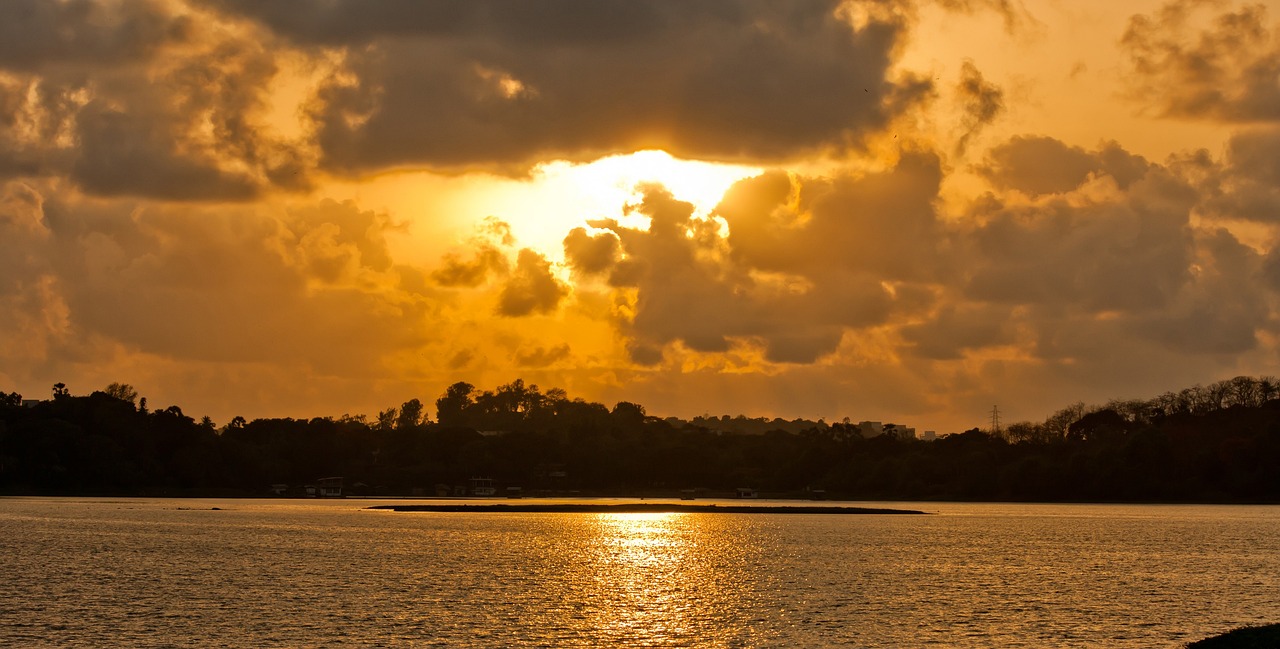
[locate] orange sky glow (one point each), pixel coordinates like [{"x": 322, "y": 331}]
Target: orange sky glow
[{"x": 904, "y": 211}]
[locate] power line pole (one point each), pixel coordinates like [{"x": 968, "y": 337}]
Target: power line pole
[{"x": 995, "y": 420}]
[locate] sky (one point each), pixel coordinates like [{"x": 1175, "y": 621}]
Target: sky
[{"x": 903, "y": 211}]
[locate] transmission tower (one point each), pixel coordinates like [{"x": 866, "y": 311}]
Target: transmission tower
[{"x": 995, "y": 420}]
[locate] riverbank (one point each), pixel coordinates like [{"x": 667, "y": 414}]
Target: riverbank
[{"x": 1249, "y": 637}]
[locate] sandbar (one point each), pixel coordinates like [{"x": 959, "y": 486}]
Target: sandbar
[{"x": 639, "y": 508}]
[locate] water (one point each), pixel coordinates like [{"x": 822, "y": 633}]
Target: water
[{"x": 290, "y": 573}]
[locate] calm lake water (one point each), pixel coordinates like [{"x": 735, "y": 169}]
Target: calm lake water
[{"x": 292, "y": 573}]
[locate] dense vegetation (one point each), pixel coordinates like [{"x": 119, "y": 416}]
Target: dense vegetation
[{"x": 1215, "y": 443}]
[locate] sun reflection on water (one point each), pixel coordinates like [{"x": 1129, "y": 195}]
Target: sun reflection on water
[
  {"x": 643, "y": 566},
  {"x": 655, "y": 579}
]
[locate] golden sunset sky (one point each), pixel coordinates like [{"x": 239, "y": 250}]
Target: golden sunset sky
[{"x": 904, "y": 211}]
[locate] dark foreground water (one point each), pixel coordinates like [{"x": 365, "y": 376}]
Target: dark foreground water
[{"x": 287, "y": 573}]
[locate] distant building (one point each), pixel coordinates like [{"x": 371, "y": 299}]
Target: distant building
[
  {"x": 329, "y": 487},
  {"x": 929, "y": 435},
  {"x": 30, "y": 403},
  {"x": 870, "y": 429}
]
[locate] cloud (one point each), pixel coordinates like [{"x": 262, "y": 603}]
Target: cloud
[
  {"x": 133, "y": 155},
  {"x": 980, "y": 101},
  {"x": 531, "y": 288},
  {"x": 37, "y": 34},
  {"x": 1103, "y": 249},
  {"x": 1038, "y": 165},
  {"x": 542, "y": 356},
  {"x": 881, "y": 224},
  {"x": 946, "y": 334},
  {"x": 1110, "y": 266},
  {"x": 591, "y": 254},
  {"x": 804, "y": 261},
  {"x": 1015, "y": 15},
  {"x": 1220, "y": 310},
  {"x": 1245, "y": 184},
  {"x": 1079, "y": 258},
  {"x": 486, "y": 260},
  {"x": 1224, "y": 70},
  {"x": 142, "y": 99},
  {"x": 501, "y": 85},
  {"x": 248, "y": 285},
  {"x": 487, "y": 257}
]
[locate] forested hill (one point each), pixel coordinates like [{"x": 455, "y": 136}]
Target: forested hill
[{"x": 1203, "y": 444}]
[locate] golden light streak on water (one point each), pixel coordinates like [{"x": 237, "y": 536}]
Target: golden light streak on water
[{"x": 645, "y": 561}]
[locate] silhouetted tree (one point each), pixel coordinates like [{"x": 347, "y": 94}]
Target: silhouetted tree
[
  {"x": 628, "y": 415},
  {"x": 453, "y": 405},
  {"x": 410, "y": 415},
  {"x": 1155, "y": 449},
  {"x": 1096, "y": 425},
  {"x": 387, "y": 419},
  {"x": 122, "y": 391}
]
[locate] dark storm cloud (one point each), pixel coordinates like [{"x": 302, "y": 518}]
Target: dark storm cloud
[
  {"x": 1229, "y": 70},
  {"x": 485, "y": 84}
]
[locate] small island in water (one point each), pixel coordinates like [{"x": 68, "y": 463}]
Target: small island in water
[{"x": 640, "y": 508}]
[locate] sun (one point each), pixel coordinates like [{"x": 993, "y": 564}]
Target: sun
[
  {"x": 562, "y": 195},
  {"x": 616, "y": 177}
]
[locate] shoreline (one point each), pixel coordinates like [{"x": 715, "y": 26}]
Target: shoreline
[{"x": 642, "y": 508}]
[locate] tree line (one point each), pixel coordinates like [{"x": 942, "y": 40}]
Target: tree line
[{"x": 1217, "y": 443}]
